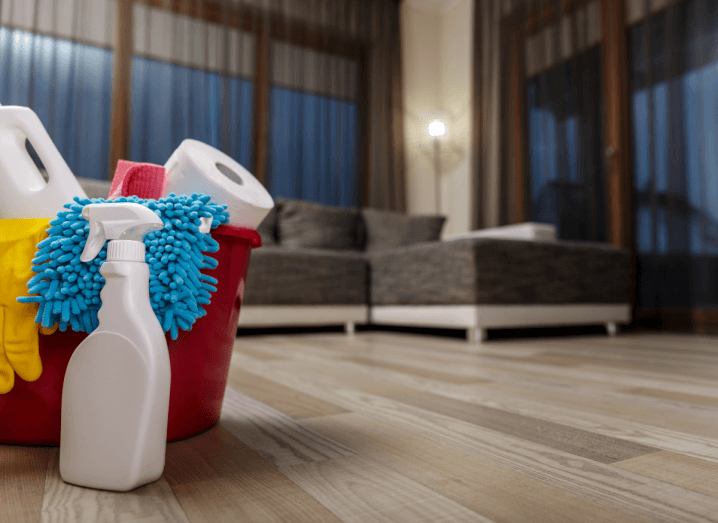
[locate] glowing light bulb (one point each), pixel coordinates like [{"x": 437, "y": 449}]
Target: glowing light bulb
[{"x": 437, "y": 128}]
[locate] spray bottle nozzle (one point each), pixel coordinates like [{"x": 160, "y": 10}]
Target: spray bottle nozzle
[{"x": 116, "y": 221}]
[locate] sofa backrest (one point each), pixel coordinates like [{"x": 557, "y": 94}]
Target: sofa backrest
[
  {"x": 299, "y": 224},
  {"x": 307, "y": 225},
  {"x": 387, "y": 230}
]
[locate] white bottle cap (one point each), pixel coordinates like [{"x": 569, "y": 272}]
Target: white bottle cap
[{"x": 126, "y": 250}]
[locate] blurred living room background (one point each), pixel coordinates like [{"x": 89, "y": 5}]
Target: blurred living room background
[{"x": 596, "y": 116}]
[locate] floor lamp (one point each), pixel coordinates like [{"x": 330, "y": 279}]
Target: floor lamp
[{"x": 437, "y": 129}]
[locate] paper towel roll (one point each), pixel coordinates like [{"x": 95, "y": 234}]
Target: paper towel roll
[{"x": 196, "y": 167}]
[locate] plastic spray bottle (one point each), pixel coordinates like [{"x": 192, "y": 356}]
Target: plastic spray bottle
[{"x": 115, "y": 398}]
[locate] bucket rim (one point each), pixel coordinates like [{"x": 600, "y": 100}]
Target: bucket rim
[{"x": 253, "y": 236}]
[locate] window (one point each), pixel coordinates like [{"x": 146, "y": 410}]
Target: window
[
  {"x": 171, "y": 103},
  {"x": 565, "y": 148},
  {"x": 69, "y": 86},
  {"x": 312, "y": 157},
  {"x": 313, "y": 121},
  {"x": 190, "y": 79},
  {"x": 674, "y": 99}
]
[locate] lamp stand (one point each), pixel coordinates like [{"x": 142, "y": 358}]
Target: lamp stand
[{"x": 437, "y": 174}]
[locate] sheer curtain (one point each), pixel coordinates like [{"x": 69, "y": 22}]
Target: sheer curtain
[
  {"x": 56, "y": 58},
  {"x": 537, "y": 96},
  {"x": 565, "y": 128},
  {"x": 674, "y": 97},
  {"x": 191, "y": 78},
  {"x": 313, "y": 109},
  {"x": 304, "y": 93},
  {"x": 335, "y": 118},
  {"x": 490, "y": 56}
]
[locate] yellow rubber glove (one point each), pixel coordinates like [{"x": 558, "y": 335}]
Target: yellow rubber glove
[
  {"x": 46, "y": 331},
  {"x": 19, "y": 350}
]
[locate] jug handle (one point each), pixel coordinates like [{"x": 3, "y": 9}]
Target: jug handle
[{"x": 30, "y": 125}]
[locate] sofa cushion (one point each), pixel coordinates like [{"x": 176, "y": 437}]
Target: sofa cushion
[
  {"x": 268, "y": 228},
  {"x": 483, "y": 271},
  {"x": 279, "y": 276},
  {"x": 305, "y": 225},
  {"x": 386, "y": 230}
]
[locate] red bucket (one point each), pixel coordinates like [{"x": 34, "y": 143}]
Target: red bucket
[{"x": 30, "y": 412}]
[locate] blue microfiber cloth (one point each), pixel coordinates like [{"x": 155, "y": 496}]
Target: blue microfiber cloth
[{"x": 69, "y": 290}]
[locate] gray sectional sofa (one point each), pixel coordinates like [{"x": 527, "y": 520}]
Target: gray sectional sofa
[
  {"x": 322, "y": 265},
  {"x": 328, "y": 266}
]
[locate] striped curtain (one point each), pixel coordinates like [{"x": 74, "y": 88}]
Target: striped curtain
[
  {"x": 56, "y": 58},
  {"x": 313, "y": 144},
  {"x": 325, "y": 125},
  {"x": 674, "y": 97},
  {"x": 191, "y": 78},
  {"x": 335, "y": 112},
  {"x": 565, "y": 124}
]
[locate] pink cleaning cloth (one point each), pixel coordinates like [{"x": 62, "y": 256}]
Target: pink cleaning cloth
[{"x": 145, "y": 180}]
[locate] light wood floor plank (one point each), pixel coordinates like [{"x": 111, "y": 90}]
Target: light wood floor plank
[
  {"x": 621, "y": 490},
  {"x": 218, "y": 479},
  {"x": 595, "y": 377},
  {"x": 598, "y": 447},
  {"x": 290, "y": 402},
  {"x": 153, "y": 503},
  {"x": 242, "y": 347},
  {"x": 698, "y": 420},
  {"x": 672, "y": 366},
  {"x": 695, "y": 399},
  {"x": 435, "y": 368},
  {"x": 483, "y": 365},
  {"x": 22, "y": 482},
  {"x": 623, "y": 428},
  {"x": 276, "y": 437},
  {"x": 387, "y": 383},
  {"x": 499, "y": 494},
  {"x": 415, "y": 370},
  {"x": 603, "y": 449},
  {"x": 661, "y": 343},
  {"x": 358, "y": 489},
  {"x": 677, "y": 469}
]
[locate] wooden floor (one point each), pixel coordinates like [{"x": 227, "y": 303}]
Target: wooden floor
[{"x": 397, "y": 427}]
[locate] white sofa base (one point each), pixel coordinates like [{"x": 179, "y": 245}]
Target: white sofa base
[
  {"x": 476, "y": 319},
  {"x": 303, "y": 315}
]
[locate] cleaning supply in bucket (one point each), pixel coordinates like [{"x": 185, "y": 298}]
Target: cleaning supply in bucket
[
  {"x": 144, "y": 180},
  {"x": 68, "y": 290},
  {"x": 23, "y": 190},
  {"x": 115, "y": 397},
  {"x": 197, "y": 167},
  {"x": 19, "y": 344}
]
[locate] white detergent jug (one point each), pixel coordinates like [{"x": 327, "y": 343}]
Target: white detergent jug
[{"x": 23, "y": 191}]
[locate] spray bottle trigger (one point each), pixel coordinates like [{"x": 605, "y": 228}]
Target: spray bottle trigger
[{"x": 95, "y": 241}]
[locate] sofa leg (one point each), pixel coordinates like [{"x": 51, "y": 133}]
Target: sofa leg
[
  {"x": 349, "y": 328},
  {"x": 476, "y": 334},
  {"x": 611, "y": 328}
]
